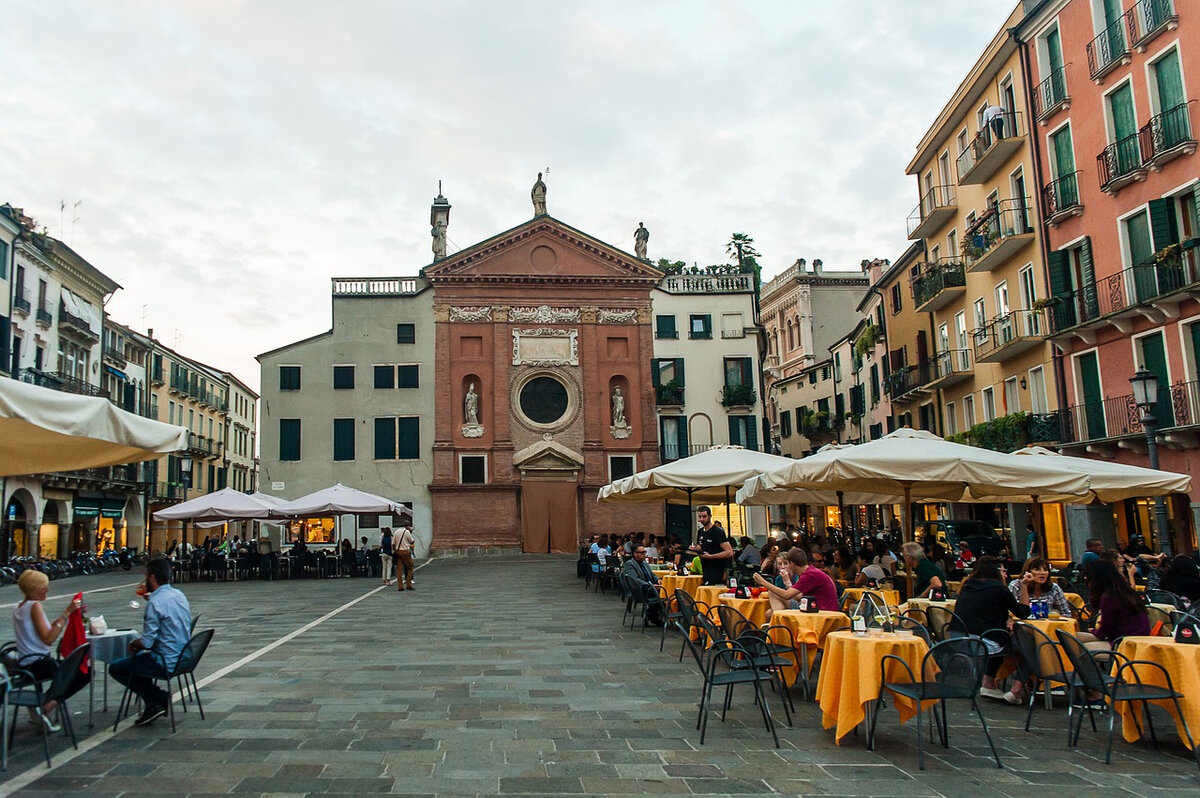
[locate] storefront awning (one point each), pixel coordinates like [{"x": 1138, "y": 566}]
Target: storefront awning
[
  {"x": 99, "y": 508},
  {"x": 115, "y": 372}
]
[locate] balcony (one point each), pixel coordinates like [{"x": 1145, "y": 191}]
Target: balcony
[
  {"x": 990, "y": 148},
  {"x": 737, "y": 283},
  {"x": 1120, "y": 164},
  {"x": 173, "y": 491},
  {"x": 1163, "y": 281},
  {"x": 1014, "y": 431},
  {"x": 1177, "y": 411},
  {"x": 670, "y": 452},
  {"x": 198, "y": 445},
  {"x": 999, "y": 234},
  {"x": 1154, "y": 17},
  {"x": 1167, "y": 136},
  {"x": 1060, "y": 199},
  {"x": 949, "y": 368},
  {"x": 668, "y": 395},
  {"x": 908, "y": 382},
  {"x": 935, "y": 209},
  {"x": 1110, "y": 49},
  {"x": 72, "y": 323},
  {"x": 115, "y": 355},
  {"x": 60, "y": 382},
  {"x": 44, "y": 317},
  {"x": 939, "y": 283},
  {"x": 1013, "y": 333},
  {"x": 156, "y": 374},
  {"x": 375, "y": 286},
  {"x": 1051, "y": 96},
  {"x": 21, "y": 302},
  {"x": 738, "y": 395}
]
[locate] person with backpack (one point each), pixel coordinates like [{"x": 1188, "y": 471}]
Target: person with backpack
[{"x": 385, "y": 554}]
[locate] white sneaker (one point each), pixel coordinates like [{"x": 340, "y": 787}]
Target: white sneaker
[
  {"x": 991, "y": 692},
  {"x": 1012, "y": 698}
]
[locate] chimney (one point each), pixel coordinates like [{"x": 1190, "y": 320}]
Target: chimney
[
  {"x": 801, "y": 265},
  {"x": 817, "y": 264},
  {"x": 150, "y": 333}
]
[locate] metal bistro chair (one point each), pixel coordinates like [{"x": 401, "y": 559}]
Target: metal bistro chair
[
  {"x": 767, "y": 655},
  {"x": 184, "y": 668},
  {"x": 689, "y": 610},
  {"x": 726, "y": 663},
  {"x": 951, "y": 669},
  {"x": 671, "y": 617},
  {"x": 1117, "y": 687},
  {"x": 26, "y": 691},
  {"x": 1043, "y": 663}
]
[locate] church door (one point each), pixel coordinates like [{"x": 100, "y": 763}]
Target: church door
[{"x": 548, "y": 516}]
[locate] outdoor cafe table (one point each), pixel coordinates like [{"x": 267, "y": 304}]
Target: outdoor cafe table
[
  {"x": 851, "y": 679},
  {"x": 890, "y": 597},
  {"x": 754, "y": 609},
  {"x": 708, "y": 594},
  {"x": 1182, "y": 661},
  {"x": 1075, "y": 600},
  {"x": 809, "y": 629},
  {"x": 923, "y": 604},
  {"x": 111, "y": 645}
]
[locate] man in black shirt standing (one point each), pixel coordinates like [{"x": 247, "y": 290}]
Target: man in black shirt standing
[{"x": 715, "y": 548}]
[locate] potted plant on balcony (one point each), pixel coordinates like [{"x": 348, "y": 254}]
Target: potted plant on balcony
[
  {"x": 865, "y": 343},
  {"x": 670, "y": 393},
  {"x": 739, "y": 395}
]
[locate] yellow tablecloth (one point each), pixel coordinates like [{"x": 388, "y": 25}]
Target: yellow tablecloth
[
  {"x": 922, "y": 604},
  {"x": 850, "y": 676},
  {"x": 1075, "y": 600},
  {"x": 1047, "y": 626},
  {"x": 755, "y": 609},
  {"x": 891, "y": 597},
  {"x": 661, "y": 572},
  {"x": 687, "y": 583},
  {"x": 708, "y": 593},
  {"x": 810, "y": 628},
  {"x": 1182, "y": 662}
]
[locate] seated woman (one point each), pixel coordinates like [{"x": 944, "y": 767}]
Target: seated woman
[
  {"x": 984, "y": 605},
  {"x": 844, "y": 566},
  {"x": 1122, "y": 613},
  {"x": 801, "y": 579},
  {"x": 770, "y": 557},
  {"x": 35, "y": 637},
  {"x": 868, "y": 571},
  {"x": 1035, "y": 583}
]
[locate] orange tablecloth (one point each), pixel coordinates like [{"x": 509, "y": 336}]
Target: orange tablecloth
[
  {"x": 688, "y": 583},
  {"x": 924, "y": 603},
  {"x": 1182, "y": 662},
  {"x": 810, "y": 628},
  {"x": 755, "y": 609},
  {"x": 1075, "y": 600},
  {"x": 850, "y": 676},
  {"x": 891, "y": 597},
  {"x": 708, "y": 593}
]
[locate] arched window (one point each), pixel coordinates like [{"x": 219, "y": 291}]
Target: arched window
[{"x": 791, "y": 336}]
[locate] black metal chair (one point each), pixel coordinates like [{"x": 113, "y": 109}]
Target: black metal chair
[
  {"x": 1166, "y": 597},
  {"x": 1043, "y": 663},
  {"x": 952, "y": 669},
  {"x": 185, "y": 666},
  {"x": 671, "y": 617},
  {"x": 1116, "y": 687},
  {"x": 689, "y": 609},
  {"x": 185, "y": 670},
  {"x": 726, "y": 663},
  {"x": 915, "y": 622},
  {"x": 26, "y": 691}
]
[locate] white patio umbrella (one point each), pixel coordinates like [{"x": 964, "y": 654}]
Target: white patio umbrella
[
  {"x": 913, "y": 464},
  {"x": 338, "y": 500},
  {"x": 1113, "y": 482},
  {"x": 223, "y": 505},
  {"x": 45, "y": 430}
]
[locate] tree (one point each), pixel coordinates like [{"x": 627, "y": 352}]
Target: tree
[{"x": 740, "y": 248}]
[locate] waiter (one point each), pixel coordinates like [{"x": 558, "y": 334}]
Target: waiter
[{"x": 715, "y": 549}]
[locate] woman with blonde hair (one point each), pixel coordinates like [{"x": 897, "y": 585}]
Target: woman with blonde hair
[{"x": 35, "y": 637}]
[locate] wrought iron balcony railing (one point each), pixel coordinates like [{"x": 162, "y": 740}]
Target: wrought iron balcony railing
[
  {"x": 935, "y": 283},
  {"x": 60, "y": 382},
  {"x": 936, "y": 207},
  {"x": 1111, "y": 46},
  {"x": 1014, "y": 332},
  {"x": 1061, "y": 197},
  {"x": 1124, "y": 290},
  {"x": 1165, "y": 132},
  {"x": 1051, "y": 94},
  {"x": 1120, "y": 162},
  {"x": 1154, "y": 16}
]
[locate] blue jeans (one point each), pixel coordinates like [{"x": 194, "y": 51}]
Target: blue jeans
[{"x": 138, "y": 674}]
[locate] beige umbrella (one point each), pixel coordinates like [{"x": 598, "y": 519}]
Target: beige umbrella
[
  {"x": 43, "y": 430},
  {"x": 913, "y": 464},
  {"x": 1113, "y": 482}
]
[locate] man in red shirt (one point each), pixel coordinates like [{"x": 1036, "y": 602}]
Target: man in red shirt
[{"x": 805, "y": 580}]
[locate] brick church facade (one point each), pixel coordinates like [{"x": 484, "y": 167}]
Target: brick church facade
[{"x": 544, "y": 342}]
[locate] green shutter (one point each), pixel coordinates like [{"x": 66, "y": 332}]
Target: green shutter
[
  {"x": 1064, "y": 153},
  {"x": 1163, "y": 226},
  {"x": 682, "y": 434},
  {"x": 751, "y": 434},
  {"x": 1170, "y": 82},
  {"x": 1059, "y": 276},
  {"x": 385, "y": 439},
  {"x": 679, "y": 372},
  {"x": 1124, "y": 119},
  {"x": 289, "y": 439},
  {"x": 343, "y": 439},
  {"x": 1154, "y": 357},
  {"x": 748, "y": 371},
  {"x": 1054, "y": 50},
  {"x": 654, "y": 376},
  {"x": 410, "y": 438}
]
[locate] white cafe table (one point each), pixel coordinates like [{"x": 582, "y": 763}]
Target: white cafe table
[{"x": 112, "y": 645}]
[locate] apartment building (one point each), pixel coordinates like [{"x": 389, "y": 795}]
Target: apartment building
[{"x": 1113, "y": 86}]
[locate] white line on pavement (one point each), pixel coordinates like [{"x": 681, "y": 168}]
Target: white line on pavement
[
  {"x": 34, "y": 773},
  {"x": 69, "y": 594}
]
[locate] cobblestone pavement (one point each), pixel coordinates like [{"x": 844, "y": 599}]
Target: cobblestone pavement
[{"x": 504, "y": 676}]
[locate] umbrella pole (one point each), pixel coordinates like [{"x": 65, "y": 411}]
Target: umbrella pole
[
  {"x": 728, "y": 521},
  {"x": 906, "y": 527},
  {"x": 1039, "y": 526},
  {"x": 841, "y": 497}
]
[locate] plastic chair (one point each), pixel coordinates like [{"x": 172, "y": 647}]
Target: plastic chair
[
  {"x": 1094, "y": 676},
  {"x": 1043, "y": 662},
  {"x": 26, "y": 691},
  {"x": 955, "y": 670}
]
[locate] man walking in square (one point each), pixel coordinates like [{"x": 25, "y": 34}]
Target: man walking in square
[{"x": 403, "y": 544}]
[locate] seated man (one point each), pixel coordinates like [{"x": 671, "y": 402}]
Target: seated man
[
  {"x": 749, "y": 554},
  {"x": 637, "y": 569},
  {"x": 805, "y": 580},
  {"x": 928, "y": 576},
  {"x": 165, "y": 632}
]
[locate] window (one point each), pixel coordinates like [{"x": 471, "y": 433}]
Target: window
[
  {"x": 664, "y": 327},
  {"x": 398, "y": 438},
  {"x": 343, "y": 439},
  {"x": 743, "y": 432},
  {"x": 620, "y": 466},
  {"x": 739, "y": 371},
  {"x": 406, "y": 333},
  {"x": 874, "y": 384},
  {"x": 1037, "y": 390},
  {"x": 3, "y": 260},
  {"x": 700, "y": 326},
  {"x": 673, "y": 437},
  {"x": 385, "y": 377},
  {"x": 1012, "y": 397},
  {"x": 289, "y": 378},
  {"x": 1139, "y": 247},
  {"x": 543, "y": 400},
  {"x": 289, "y": 439},
  {"x": 407, "y": 376},
  {"x": 896, "y": 302},
  {"x": 968, "y": 412},
  {"x": 472, "y": 469},
  {"x": 667, "y": 371},
  {"x": 951, "y": 423},
  {"x": 785, "y": 424},
  {"x": 343, "y": 377},
  {"x": 989, "y": 404}
]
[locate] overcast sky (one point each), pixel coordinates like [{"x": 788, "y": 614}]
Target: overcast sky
[{"x": 230, "y": 157}]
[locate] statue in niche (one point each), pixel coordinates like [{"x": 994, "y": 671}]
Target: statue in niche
[
  {"x": 620, "y": 426},
  {"x": 538, "y": 195},
  {"x": 471, "y": 427},
  {"x": 641, "y": 236},
  {"x": 439, "y": 240}
]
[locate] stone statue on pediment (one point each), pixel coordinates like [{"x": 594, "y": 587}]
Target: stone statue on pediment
[{"x": 538, "y": 195}]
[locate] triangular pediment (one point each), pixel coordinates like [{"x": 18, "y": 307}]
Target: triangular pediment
[
  {"x": 547, "y": 456},
  {"x": 542, "y": 249}
]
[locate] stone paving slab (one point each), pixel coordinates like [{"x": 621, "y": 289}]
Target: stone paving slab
[{"x": 504, "y": 676}]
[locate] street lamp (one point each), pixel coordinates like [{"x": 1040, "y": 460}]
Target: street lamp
[
  {"x": 185, "y": 472},
  {"x": 1145, "y": 395}
]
